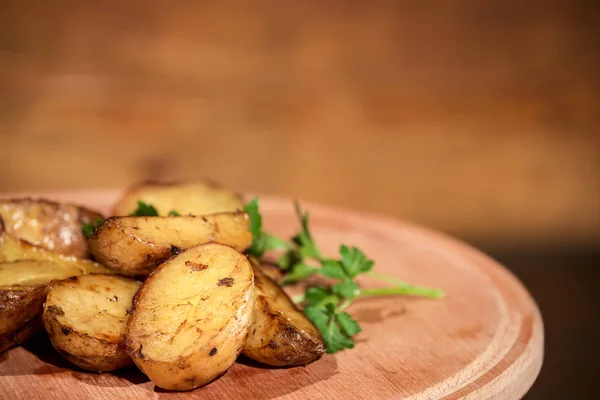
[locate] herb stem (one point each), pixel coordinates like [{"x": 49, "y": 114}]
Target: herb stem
[
  {"x": 386, "y": 278},
  {"x": 298, "y": 299},
  {"x": 332, "y": 298},
  {"x": 344, "y": 305},
  {"x": 406, "y": 290}
]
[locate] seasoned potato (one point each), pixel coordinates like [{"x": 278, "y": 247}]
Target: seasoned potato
[
  {"x": 136, "y": 245},
  {"x": 54, "y": 226},
  {"x": 12, "y": 249},
  {"x": 23, "y": 289},
  {"x": 187, "y": 198},
  {"x": 85, "y": 318},
  {"x": 271, "y": 270},
  {"x": 280, "y": 334},
  {"x": 191, "y": 316},
  {"x": 20, "y": 310}
]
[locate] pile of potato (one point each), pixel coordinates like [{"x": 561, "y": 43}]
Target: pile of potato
[{"x": 173, "y": 294}]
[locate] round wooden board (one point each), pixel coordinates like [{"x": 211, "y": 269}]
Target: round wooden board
[{"x": 483, "y": 341}]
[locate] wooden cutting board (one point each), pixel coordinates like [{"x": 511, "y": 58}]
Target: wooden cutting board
[{"x": 483, "y": 341}]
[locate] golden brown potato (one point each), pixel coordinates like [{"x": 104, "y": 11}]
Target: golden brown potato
[
  {"x": 23, "y": 289},
  {"x": 20, "y": 310},
  {"x": 136, "y": 245},
  {"x": 271, "y": 270},
  {"x": 191, "y": 316},
  {"x": 187, "y": 198},
  {"x": 280, "y": 334},
  {"x": 85, "y": 318},
  {"x": 53, "y": 226},
  {"x": 12, "y": 249}
]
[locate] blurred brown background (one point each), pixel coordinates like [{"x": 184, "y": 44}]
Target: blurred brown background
[{"x": 479, "y": 118}]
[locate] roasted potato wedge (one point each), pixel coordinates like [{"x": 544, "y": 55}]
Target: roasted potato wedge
[
  {"x": 187, "y": 198},
  {"x": 20, "y": 310},
  {"x": 136, "y": 245},
  {"x": 23, "y": 289},
  {"x": 191, "y": 316},
  {"x": 280, "y": 334},
  {"x": 85, "y": 318},
  {"x": 12, "y": 249},
  {"x": 53, "y": 226},
  {"x": 271, "y": 270}
]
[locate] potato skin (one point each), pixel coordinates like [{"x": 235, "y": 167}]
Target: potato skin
[
  {"x": 21, "y": 335},
  {"x": 280, "y": 334},
  {"x": 181, "y": 355},
  {"x": 271, "y": 270},
  {"x": 198, "y": 197},
  {"x": 92, "y": 350},
  {"x": 20, "y": 310},
  {"x": 51, "y": 225},
  {"x": 136, "y": 245}
]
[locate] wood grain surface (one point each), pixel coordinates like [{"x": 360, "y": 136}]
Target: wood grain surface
[
  {"x": 483, "y": 341},
  {"x": 383, "y": 105}
]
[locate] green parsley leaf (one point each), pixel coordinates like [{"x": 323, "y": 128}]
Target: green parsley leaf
[
  {"x": 273, "y": 242},
  {"x": 308, "y": 249},
  {"x": 144, "y": 210},
  {"x": 318, "y": 315},
  {"x": 255, "y": 218},
  {"x": 174, "y": 213},
  {"x": 333, "y": 269},
  {"x": 304, "y": 217},
  {"x": 354, "y": 261},
  {"x": 261, "y": 241},
  {"x": 349, "y": 326},
  {"x": 345, "y": 289},
  {"x": 315, "y": 295},
  {"x": 304, "y": 239},
  {"x": 288, "y": 259},
  {"x": 298, "y": 272},
  {"x": 88, "y": 229},
  {"x": 325, "y": 320}
]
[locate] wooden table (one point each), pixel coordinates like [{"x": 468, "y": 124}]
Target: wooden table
[{"x": 476, "y": 118}]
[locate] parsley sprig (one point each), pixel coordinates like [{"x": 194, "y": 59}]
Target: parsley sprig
[
  {"x": 148, "y": 210},
  {"x": 261, "y": 241},
  {"x": 88, "y": 229},
  {"x": 144, "y": 210},
  {"x": 325, "y": 305}
]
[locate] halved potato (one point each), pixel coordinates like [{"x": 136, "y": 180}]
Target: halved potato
[
  {"x": 85, "y": 318},
  {"x": 12, "y": 249},
  {"x": 23, "y": 289},
  {"x": 136, "y": 245},
  {"x": 280, "y": 334},
  {"x": 187, "y": 198},
  {"x": 54, "y": 226},
  {"x": 191, "y": 316}
]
